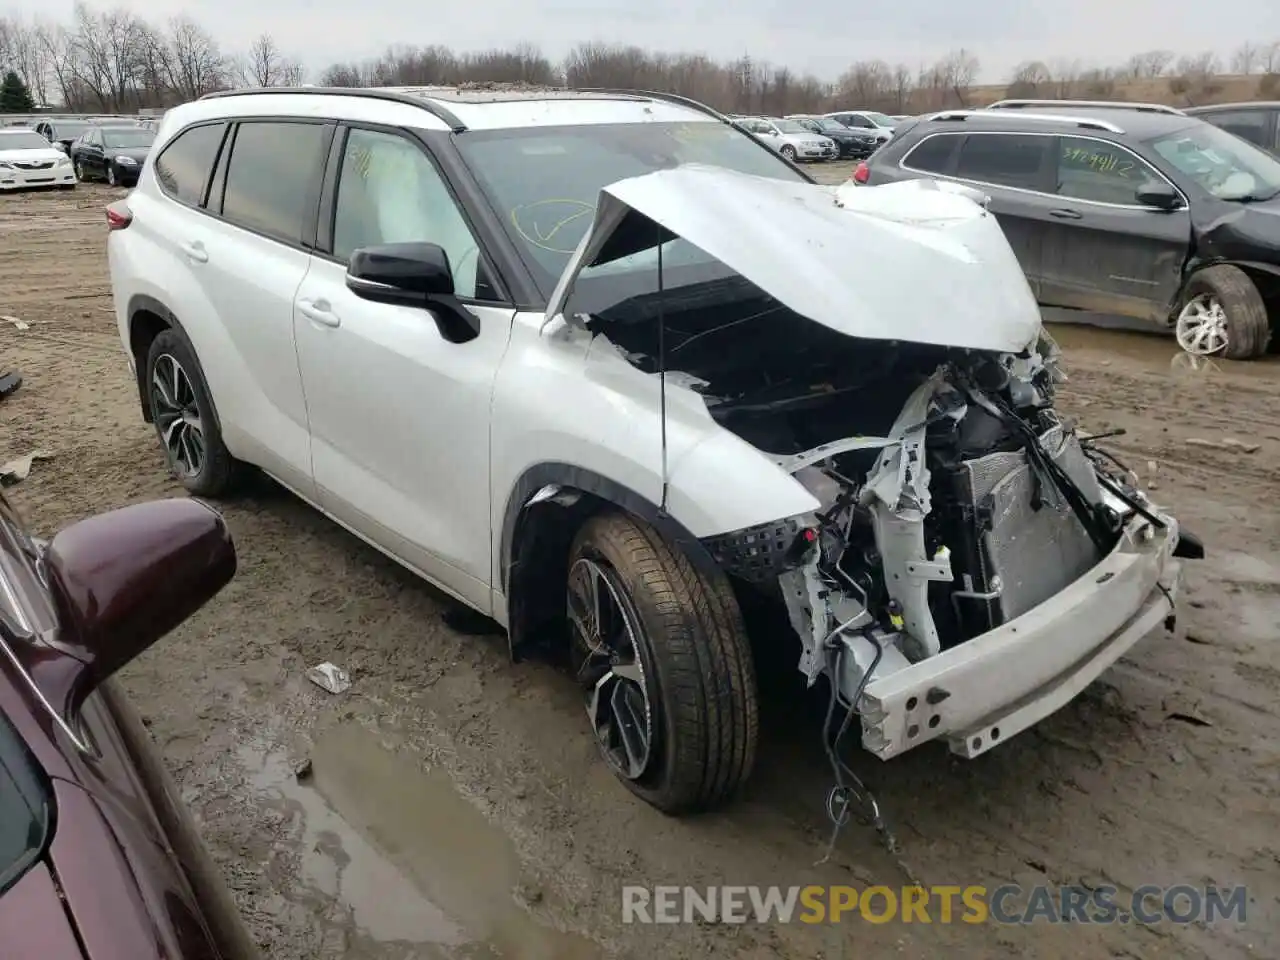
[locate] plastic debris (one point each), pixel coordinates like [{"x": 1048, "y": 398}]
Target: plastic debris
[
  {"x": 330, "y": 677},
  {"x": 17, "y": 470},
  {"x": 19, "y": 324}
]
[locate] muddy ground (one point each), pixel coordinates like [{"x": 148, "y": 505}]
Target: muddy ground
[{"x": 457, "y": 806}]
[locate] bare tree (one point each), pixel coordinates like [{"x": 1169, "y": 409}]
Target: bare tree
[
  {"x": 1030, "y": 79},
  {"x": 1246, "y": 58},
  {"x": 199, "y": 67},
  {"x": 867, "y": 84},
  {"x": 1149, "y": 64},
  {"x": 264, "y": 65},
  {"x": 1269, "y": 57}
]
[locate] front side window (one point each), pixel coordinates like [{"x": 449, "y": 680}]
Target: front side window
[
  {"x": 1100, "y": 172},
  {"x": 390, "y": 192},
  {"x": 857, "y": 120},
  {"x": 269, "y": 177},
  {"x": 789, "y": 126},
  {"x": 184, "y": 165},
  {"x": 1003, "y": 159},
  {"x": 543, "y": 182},
  {"x": 1221, "y": 163}
]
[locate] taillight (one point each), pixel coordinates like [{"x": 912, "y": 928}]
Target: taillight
[
  {"x": 118, "y": 215},
  {"x": 861, "y": 173}
]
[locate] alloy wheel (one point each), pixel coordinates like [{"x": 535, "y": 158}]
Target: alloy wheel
[
  {"x": 177, "y": 416},
  {"x": 1201, "y": 327},
  {"x": 79, "y": 168},
  {"x": 111, "y": 174},
  {"x": 607, "y": 637}
]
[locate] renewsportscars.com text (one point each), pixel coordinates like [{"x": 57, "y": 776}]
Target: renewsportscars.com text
[{"x": 1010, "y": 904}]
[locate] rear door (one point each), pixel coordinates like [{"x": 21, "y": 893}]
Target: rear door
[
  {"x": 253, "y": 255},
  {"x": 1103, "y": 251},
  {"x": 1015, "y": 170}
]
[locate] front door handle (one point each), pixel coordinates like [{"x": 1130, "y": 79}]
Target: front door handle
[
  {"x": 317, "y": 311},
  {"x": 1065, "y": 214},
  {"x": 196, "y": 251}
]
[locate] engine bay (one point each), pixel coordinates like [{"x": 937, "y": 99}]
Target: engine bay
[{"x": 952, "y": 497}]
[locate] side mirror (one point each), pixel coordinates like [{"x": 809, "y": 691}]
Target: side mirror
[
  {"x": 1159, "y": 195},
  {"x": 120, "y": 581},
  {"x": 412, "y": 275}
]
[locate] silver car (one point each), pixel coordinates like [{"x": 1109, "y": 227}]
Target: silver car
[{"x": 791, "y": 139}]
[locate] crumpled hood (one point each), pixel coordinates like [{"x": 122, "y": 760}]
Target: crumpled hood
[{"x": 907, "y": 261}]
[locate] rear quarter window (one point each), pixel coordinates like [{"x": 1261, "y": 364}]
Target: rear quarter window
[
  {"x": 184, "y": 165},
  {"x": 1250, "y": 125}
]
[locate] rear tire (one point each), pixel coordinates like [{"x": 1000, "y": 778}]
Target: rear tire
[
  {"x": 1246, "y": 326},
  {"x": 695, "y": 669},
  {"x": 185, "y": 419}
]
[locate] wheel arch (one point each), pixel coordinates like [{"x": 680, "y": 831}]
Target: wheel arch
[
  {"x": 537, "y": 532},
  {"x": 148, "y": 318},
  {"x": 1265, "y": 276}
]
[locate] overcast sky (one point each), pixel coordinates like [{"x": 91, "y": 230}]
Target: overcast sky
[{"x": 829, "y": 35}]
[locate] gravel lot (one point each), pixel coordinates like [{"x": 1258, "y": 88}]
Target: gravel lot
[{"x": 457, "y": 807}]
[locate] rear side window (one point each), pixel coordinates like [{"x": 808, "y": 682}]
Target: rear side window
[
  {"x": 25, "y": 808},
  {"x": 933, "y": 154},
  {"x": 1004, "y": 159},
  {"x": 1250, "y": 125},
  {"x": 183, "y": 167},
  {"x": 269, "y": 177}
]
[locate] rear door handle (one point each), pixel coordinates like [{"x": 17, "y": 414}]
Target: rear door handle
[
  {"x": 196, "y": 251},
  {"x": 317, "y": 311},
  {"x": 1064, "y": 214}
]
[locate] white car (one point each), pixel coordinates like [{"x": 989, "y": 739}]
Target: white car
[
  {"x": 791, "y": 138},
  {"x": 587, "y": 362},
  {"x": 29, "y": 160}
]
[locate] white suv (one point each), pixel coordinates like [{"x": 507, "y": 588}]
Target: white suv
[{"x": 610, "y": 372}]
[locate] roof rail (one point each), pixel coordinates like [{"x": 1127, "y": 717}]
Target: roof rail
[
  {"x": 1086, "y": 123},
  {"x": 370, "y": 93},
  {"x": 1091, "y": 104},
  {"x": 658, "y": 95}
]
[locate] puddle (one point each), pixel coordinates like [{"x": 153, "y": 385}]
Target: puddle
[
  {"x": 410, "y": 859},
  {"x": 1154, "y": 351}
]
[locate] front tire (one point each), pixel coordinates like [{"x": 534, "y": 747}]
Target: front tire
[
  {"x": 1223, "y": 314},
  {"x": 663, "y": 653},
  {"x": 789, "y": 152},
  {"x": 112, "y": 180},
  {"x": 78, "y": 167},
  {"x": 185, "y": 420}
]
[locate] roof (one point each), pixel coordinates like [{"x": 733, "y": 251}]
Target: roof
[
  {"x": 457, "y": 108},
  {"x": 1135, "y": 123}
]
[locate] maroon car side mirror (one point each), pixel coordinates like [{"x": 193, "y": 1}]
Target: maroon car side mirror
[{"x": 120, "y": 581}]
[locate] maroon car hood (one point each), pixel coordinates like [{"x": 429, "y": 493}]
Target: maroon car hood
[{"x": 33, "y": 924}]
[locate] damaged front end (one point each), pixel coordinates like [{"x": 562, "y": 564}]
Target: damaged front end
[{"x": 971, "y": 562}]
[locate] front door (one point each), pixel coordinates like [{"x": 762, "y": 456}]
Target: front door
[
  {"x": 399, "y": 416},
  {"x": 1103, "y": 251}
]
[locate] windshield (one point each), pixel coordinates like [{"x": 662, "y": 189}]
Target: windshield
[
  {"x": 1221, "y": 163},
  {"x": 880, "y": 119},
  {"x": 24, "y": 808},
  {"x": 790, "y": 126},
  {"x": 544, "y": 181},
  {"x": 128, "y": 137},
  {"x": 23, "y": 140},
  {"x": 65, "y": 130}
]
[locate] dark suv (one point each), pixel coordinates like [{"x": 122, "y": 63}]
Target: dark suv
[
  {"x": 1138, "y": 211},
  {"x": 1257, "y": 122}
]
